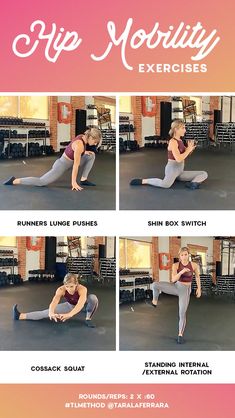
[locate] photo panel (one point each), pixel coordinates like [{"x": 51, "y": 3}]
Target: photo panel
[
  {"x": 57, "y": 293},
  {"x": 52, "y": 147}
]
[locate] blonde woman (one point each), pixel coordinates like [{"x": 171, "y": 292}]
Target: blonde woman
[
  {"x": 76, "y": 300},
  {"x": 181, "y": 280},
  {"x": 174, "y": 170},
  {"x": 74, "y": 156}
]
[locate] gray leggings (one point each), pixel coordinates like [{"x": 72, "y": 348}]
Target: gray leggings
[
  {"x": 63, "y": 308},
  {"x": 59, "y": 167},
  {"x": 178, "y": 289},
  {"x": 175, "y": 171}
]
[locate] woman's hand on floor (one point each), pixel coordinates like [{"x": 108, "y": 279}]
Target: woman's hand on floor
[
  {"x": 76, "y": 187},
  {"x": 65, "y": 317},
  {"x": 54, "y": 317}
]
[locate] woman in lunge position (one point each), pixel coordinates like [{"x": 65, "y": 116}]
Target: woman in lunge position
[
  {"x": 76, "y": 298},
  {"x": 74, "y": 156},
  {"x": 174, "y": 170},
  {"x": 181, "y": 280}
]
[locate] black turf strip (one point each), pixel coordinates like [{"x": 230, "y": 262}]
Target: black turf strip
[
  {"x": 58, "y": 195},
  {"x": 210, "y": 325},
  {"x": 48, "y": 335},
  {"x": 218, "y": 191}
]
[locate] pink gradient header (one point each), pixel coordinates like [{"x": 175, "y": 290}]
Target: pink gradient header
[{"x": 154, "y": 46}]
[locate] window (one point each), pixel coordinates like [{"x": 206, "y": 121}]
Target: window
[
  {"x": 112, "y": 111},
  {"x": 7, "y": 241},
  {"x": 26, "y": 107},
  {"x": 125, "y": 104},
  {"x": 9, "y": 106},
  {"x": 134, "y": 254},
  {"x": 198, "y": 101},
  {"x": 34, "y": 107}
]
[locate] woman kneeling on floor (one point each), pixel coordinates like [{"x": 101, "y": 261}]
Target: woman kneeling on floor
[
  {"x": 76, "y": 298},
  {"x": 74, "y": 156},
  {"x": 174, "y": 170}
]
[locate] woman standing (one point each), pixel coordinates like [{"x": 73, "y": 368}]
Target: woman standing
[
  {"x": 174, "y": 170},
  {"x": 181, "y": 280},
  {"x": 74, "y": 156}
]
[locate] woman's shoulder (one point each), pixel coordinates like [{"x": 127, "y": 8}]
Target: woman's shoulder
[
  {"x": 172, "y": 143},
  {"x": 81, "y": 288},
  {"x": 60, "y": 289}
]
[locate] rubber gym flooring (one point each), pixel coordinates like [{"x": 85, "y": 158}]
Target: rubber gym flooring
[
  {"x": 58, "y": 195},
  {"x": 210, "y": 325},
  {"x": 218, "y": 191},
  {"x": 49, "y": 335}
]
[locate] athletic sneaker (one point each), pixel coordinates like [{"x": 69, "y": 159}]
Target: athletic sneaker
[
  {"x": 15, "y": 313},
  {"x": 136, "y": 182},
  {"x": 87, "y": 183},
  {"x": 180, "y": 339},
  {"x": 192, "y": 185},
  {"x": 9, "y": 182},
  {"x": 89, "y": 323}
]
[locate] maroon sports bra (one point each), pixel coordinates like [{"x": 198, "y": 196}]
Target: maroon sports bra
[
  {"x": 69, "y": 152},
  {"x": 188, "y": 276},
  {"x": 72, "y": 299},
  {"x": 181, "y": 148}
]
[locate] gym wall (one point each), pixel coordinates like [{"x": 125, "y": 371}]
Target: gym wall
[
  {"x": 171, "y": 245},
  {"x": 147, "y": 126},
  {"x": 59, "y": 131},
  {"x": 27, "y": 259}
]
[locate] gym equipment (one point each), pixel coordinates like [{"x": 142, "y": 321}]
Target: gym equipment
[
  {"x": 225, "y": 286},
  {"x": 225, "y": 134},
  {"x": 165, "y": 119},
  {"x": 81, "y": 265},
  {"x": 50, "y": 253},
  {"x": 217, "y": 118},
  {"x": 39, "y": 276},
  {"x": 10, "y": 279},
  {"x": 80, "y": 121},
  {"x": 199, "y": 131},
  {"x": 206, "y": 284},
  {"x": 140, "y": 285},
  {"x": 107, "y": 269}
]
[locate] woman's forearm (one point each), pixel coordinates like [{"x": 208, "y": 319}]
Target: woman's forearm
[
  {"x": 184, "y": 155},
  {"x": 198, "y": 281},
  {"x": 52, "y": 307},
  {"x": 176, "y": 277},
  {"x": 74, "y": 173}
]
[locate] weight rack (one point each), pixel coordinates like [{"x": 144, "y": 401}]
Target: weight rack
[
  {"x": 40, "y": 276},
  {"x": 225, "y": 285},
  {"x": 108, "y": 139},
  {"x": 32, "y": 131},
  {"x": 81, "y": 265},
  {"x": 107, "y": 269},
  {"x": 139, "y": 284},
  {"x": 225, "y": 133},
  {"x": 199, "y": 131},
  {"x": 206, "y": 284}
]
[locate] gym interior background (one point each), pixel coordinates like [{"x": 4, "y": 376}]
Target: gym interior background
[
  {"x": 210, "y": 319},
  {"x": 144, "y": 125},
  {"x": 34, "y": 131},
  {"x": 32, "y": 268}
]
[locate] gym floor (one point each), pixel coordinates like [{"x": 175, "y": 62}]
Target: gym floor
[
  {"x": 218, "y": 191},
  {"x": 49, "y": 335},
  {"x": 58, "y": 195},
  {"x": 210, "y": 324}
]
